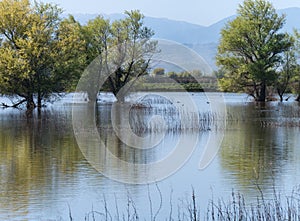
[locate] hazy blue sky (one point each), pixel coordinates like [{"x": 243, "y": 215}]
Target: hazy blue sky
[{"x": 203, "y": 12}]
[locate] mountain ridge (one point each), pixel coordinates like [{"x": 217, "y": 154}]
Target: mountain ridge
[
  {"x": 202, "y": 39},
  {"x": 190, "y": 33}
]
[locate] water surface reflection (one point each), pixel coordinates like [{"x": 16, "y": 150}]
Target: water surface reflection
[{"x": 42, "y": 170}]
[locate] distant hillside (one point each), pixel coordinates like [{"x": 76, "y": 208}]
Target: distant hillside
[{"x": 202, "y": 39}]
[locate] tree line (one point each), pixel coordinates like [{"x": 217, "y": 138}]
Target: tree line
[
  {"x": 42, "y": 53},
  {"x": 193, "y": 80}
]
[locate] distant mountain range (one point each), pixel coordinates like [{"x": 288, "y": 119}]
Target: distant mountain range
[{"x": 202, "y": 39}]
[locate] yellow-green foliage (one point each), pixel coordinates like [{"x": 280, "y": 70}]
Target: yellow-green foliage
[
  {"x": 251, "y": 48},
  {"x": 39, "y": 53}
]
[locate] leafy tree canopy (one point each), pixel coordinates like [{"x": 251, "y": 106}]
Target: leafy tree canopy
[
  {"x": 124, "y": 45},
  {"x": 40, "y": 53},
  {"x": 251, "y": 48}
]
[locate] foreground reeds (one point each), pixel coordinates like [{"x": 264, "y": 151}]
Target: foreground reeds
[{"x": 236, "y": 208}]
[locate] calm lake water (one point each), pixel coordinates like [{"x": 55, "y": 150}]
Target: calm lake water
[{"x": 44, "y": 172}]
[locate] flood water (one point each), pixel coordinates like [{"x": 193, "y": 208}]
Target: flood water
[{"x": 46, "y": 174}]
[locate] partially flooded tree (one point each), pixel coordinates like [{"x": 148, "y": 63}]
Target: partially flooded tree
[
  {"x": 251, "y": 48},
  {"x": 39, "y": 52},
  {"x": 124, "y": 49},
  {"x": 134, "y": 50}
]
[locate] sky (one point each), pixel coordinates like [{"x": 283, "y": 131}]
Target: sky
[{"x": 201, "y": 12}]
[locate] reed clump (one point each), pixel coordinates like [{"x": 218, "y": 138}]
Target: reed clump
[{"x": 174, "y": 116}]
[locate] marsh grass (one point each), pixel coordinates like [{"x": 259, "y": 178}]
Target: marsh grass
[
  {"x": 236, "y": 208},
  {"x": 171, "y": 121},
  {"x": 174, "y": 116},
  {"x": 178, "y": 117},
  {"x": 276, "y": 209}
]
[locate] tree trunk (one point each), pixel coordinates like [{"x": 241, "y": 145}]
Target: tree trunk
[
  {"x": 92, "y": 96},
  {"x": 262, "y": 93},
  {"x": 39, "y": 105},
  {"x": 30, "y": 102},
  {"x": 30, "y": 105},
  {"x": 280, "y": 94},
  {"x": 39, "y": 100},
  {"x": 120, "y": 98},
  {"x": 281, "y": 97}
]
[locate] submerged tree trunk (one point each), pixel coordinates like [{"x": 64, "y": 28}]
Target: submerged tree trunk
[
  {"x": 39, "y": 100},
  {"x": 280, "y": 94},
  {"x": 92, "y": 96},
  {"x": 120, "y": 98},
  {"x": 30, "y": 105},
  {"x": 262, "y": 93},
  {"x": 30, "y": 102}
]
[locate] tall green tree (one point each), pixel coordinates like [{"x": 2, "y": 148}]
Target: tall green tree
[
  {"x": 39, "y": 52},
  {"x": 124, "y": 47},
  {"x": 251, "y": 48},
  {"x": 132, "y": 39}
]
